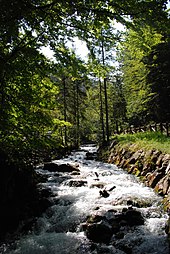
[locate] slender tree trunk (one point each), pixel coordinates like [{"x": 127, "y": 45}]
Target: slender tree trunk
[
  {"x": 65, "y": 111},
  {"x": 105, "y": 95},
  {"x": 117, "y": 126},
  {"x": 3, "y": 109},
  {"x": 77, "y": 116},
  {"x": 101, "y": 111}
]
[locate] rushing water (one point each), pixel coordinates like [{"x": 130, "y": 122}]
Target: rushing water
[{"x": 59, "y": 230}]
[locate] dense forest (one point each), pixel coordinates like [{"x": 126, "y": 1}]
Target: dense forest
[
  {"x": 50, "y": 105},
  {"x": 125, "y": 80}
]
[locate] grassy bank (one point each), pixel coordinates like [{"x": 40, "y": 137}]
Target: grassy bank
[{"x": 146, "y": 141}]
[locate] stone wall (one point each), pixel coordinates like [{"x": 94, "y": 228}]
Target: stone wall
[{"x": 152, "y": 166}]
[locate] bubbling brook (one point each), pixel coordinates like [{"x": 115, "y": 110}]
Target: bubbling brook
[{"x": 96, "y": 208}]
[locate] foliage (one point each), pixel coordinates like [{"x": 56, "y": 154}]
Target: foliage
[
  {"x": 137, "y": 91},
  {"x": 31, "y": 88},
  {"x": 158, "y": 77}
]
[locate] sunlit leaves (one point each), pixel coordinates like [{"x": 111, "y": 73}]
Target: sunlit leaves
[{"x": 137, "y": 45}]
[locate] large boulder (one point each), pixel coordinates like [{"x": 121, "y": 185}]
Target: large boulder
[
  {"x": 99, "y": 232},
  {"x": 54, "y": 167},
  {"x": 133, "y": 217},
  {"x": 100, "y": 228}
]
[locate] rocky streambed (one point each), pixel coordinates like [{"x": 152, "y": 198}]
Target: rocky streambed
[{"x": 95, "y": 207}]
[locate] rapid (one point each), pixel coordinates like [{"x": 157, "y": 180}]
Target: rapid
[{"x": 60, "y": 229}]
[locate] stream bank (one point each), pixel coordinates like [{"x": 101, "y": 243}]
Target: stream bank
[
  {"x": 97, "y": 208},
  {"x": 152, "y": 167},
  {"x": 21, "y": 199}
]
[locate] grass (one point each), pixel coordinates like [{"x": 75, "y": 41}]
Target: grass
[{"x": 146, "y": 141}]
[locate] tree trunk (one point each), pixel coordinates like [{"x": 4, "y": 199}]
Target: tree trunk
[
  {"x": 3, "y": 108},
  {"x": 105, "y": 95},
  {"x": 65, "y": 111},
  {"x": 101, "y": 112},
  {"x": 77, "y": 117}
]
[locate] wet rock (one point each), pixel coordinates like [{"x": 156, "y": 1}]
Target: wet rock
[
  {"x": 129, "y": 202},
  {"x": 138, "y": 203},
  {"x": 77, "y": 183},
  {"x": 126, "y": 248},
  {"x": 133, "y": 217},
  {"x": 99, "y": 232},
  {"x": 68, "y": 168},
  {"x": 99, "y": 185},
  {"x": 95, "y": 218},
  {"x": 74, "y": 173},
  {"x": 91, "y": 156},
  {"x": 100, "y": 228},
  {"x": 97, "y": 208},
  {"x": 115, "y": 226},
  {"x": 129, "y": 217},
  {"x": 53, "y": 167},
  {"x": 104, "y": 193}
]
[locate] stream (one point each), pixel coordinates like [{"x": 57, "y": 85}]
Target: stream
[{"x": 60, "y": 229}]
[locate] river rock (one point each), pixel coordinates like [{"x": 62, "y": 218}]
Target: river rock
[
  {"x": 77, "y": 183},
  {"x": 53, "y": 167},
  {"x": 104, "y": 193},
  {"x": 133, "y": 217},
  {"x": 99, "y": 232},
  {"x": 95, "y": 218},
  {"x": 100, "y": 229},
  {"x": 91, "y": 155},
  {"x": 50, "y": 166},
  {"x": 99, "y": 185}
]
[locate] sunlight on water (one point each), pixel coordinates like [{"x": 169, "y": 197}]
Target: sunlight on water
[{"x": 58, "y": 231}]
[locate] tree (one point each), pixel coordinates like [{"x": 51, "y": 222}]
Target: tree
[
  {"x": 117, "y": 112},
  {"x": 101, "y": 48},
  {"x": 158, "y": 65},
  {"x": 137, "y": 91},
  {"x": 25, "y": 26},
  {"x": 70, "y": 73}
]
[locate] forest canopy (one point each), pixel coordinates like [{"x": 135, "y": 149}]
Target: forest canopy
[{"x": 46, "y": 104}]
